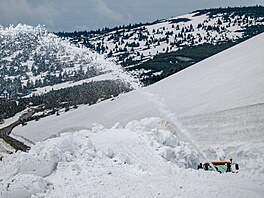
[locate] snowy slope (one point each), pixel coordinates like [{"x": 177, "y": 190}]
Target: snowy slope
[
  {"x": 227, "y": 80},
  {"x": 42, "y": 90}
]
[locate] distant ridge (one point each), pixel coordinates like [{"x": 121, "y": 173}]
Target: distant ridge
[{"x": 151, "y": 50}]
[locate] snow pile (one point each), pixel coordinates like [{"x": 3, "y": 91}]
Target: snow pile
[{"x": 140, "y": 146}]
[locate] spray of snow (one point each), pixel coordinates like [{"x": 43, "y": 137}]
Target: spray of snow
[
  {"x": 40, "y": 41},
  {"x": 171, "y": 122}
]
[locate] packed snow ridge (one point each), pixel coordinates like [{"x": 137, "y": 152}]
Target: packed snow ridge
[{"x": 138, "y": 148}]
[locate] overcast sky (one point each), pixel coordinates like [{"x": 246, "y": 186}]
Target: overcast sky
[{"x": 70, "y": 15}]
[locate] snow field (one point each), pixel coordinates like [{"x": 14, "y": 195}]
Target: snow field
[{"x": 161, "y": 29}]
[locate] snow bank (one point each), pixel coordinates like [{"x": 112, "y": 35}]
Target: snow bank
[
  {"x": 27, "y": 171},
  {"x": 234, "y": 132},
  {"x": 137, "y": 145}
]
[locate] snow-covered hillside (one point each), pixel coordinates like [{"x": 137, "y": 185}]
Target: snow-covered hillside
[
  {"x": 231, "y": 79},
  {"x": 148, "y": 142},
  {"x": 140, "y": 42}
]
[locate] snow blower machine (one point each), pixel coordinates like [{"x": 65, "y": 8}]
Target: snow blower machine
[{"x": 220, "y": 166}]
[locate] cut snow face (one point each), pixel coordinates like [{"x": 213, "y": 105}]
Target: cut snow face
[{"x": 235, "y": 132}]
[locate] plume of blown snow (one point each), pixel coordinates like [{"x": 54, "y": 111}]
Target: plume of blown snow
[{"x": 47, "y": 40}]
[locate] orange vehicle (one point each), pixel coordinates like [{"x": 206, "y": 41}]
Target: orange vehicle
[{"x": 220, "y": 166}]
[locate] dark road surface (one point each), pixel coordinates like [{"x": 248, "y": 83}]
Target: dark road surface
[{"x": 6, "y": 131}]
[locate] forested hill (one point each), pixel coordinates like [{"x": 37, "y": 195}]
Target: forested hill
[
  {"x": 149, "y": 49},
  {"x": 40, "y": 68}
]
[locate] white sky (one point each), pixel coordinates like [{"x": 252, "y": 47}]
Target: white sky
[{"x": 70, "y": 15}]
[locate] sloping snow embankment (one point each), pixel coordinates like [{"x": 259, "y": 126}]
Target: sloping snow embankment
[{"x": 235, "y": 132}]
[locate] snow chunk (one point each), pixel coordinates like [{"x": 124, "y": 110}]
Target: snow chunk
[
  {"x": 165, "y": 138},
  {"x": 173, "y": 150},
  {"x": 146, "y": 124},
  {"x": 22, "y": 186},
  {"x": 109, "y": 153}
]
